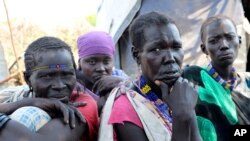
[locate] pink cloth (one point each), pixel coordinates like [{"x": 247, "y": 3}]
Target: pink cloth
[
  {"x": 89, "y": 112},
  {"x": 123, "y": 111},
  {"x": 95, "y": 42}
]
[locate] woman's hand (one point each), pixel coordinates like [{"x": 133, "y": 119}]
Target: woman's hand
[
  {"x": 105, "y": 85},
  {"x": 53, "y": 107},
  {"x": 181, "y": 98},
  {"x": 68, "y": 111}
]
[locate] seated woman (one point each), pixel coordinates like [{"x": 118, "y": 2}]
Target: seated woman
[
  {"x": 224, "y": 96},
  {"x": 160, "y": 104},
  {"x": 50, "y": 75},
  {"x": 96, "y": 51}
]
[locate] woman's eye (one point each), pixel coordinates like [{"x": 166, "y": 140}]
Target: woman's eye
[
  {"x": 229, "y": 37},
  {"x": 156, "y": 49},
  {"x": 91, "y": 62},
  {"x": 46, "y": 76},
  {"x": 213, "y": 41},
  {"x": 177, "y": 46},
  {"x": 106, "y": 62}
]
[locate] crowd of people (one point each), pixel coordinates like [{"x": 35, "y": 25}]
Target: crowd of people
[{"x": 94, "y": 101}]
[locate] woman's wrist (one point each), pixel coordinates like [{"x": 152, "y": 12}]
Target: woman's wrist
[
  {"x": 3, "y": 120},
  {"x": 184, "y": 116}
]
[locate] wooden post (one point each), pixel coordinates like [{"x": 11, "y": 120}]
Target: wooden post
[{"x": 12, "y": 43}]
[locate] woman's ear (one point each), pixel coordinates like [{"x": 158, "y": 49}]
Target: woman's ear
[
  {"x": 203, "y": 49},
  {"x": 135, "y": 53},
  {"x": 79, "y": 64},
  {"x": 26, "y": 77}
]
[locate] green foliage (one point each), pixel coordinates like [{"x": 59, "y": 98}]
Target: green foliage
[{"x": 92, "y": 19}]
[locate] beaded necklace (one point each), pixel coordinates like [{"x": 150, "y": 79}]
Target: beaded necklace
[
  {"x": 146, "y": 91},
  {"x": 226, "y": 84}
]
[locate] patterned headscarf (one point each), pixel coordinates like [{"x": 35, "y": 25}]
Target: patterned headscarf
[{"x": 95, "y": 42}]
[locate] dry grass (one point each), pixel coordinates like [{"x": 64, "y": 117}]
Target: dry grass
[{"x": 24, "y": 33}]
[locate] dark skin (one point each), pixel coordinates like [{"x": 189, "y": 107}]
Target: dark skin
[
  {"x": 59, "y": 83},
  {"x": 55, "y": 87},
  {"x": 221, "y": 43},
  {"x": 45, "y": 133},
  {"x": 94, "y": 67},
  {"x": 96, "y": 75},
  {"x": 104, "y": 86},
  {"x": 163, "y": 73}
]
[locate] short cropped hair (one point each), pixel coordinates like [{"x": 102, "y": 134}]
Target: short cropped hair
[
  {"x": 136, "y": 30},
  {"x": 211, "y": 20}
]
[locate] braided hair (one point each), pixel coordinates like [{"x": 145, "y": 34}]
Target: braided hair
[{"x": 43, "y": 44}]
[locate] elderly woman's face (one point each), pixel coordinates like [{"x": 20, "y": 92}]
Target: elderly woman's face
[
  {"x": 161, "y": 55},
  {"x": 221, "y": 42},
  {"x": 54, "y": 76}
]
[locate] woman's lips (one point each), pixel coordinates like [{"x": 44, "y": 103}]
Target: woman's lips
[
  {"x": 169, "y": 77},
  {"x": 226, "y": 56}
]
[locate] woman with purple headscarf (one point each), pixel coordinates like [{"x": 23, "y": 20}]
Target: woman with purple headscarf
[{"x": 96, "y": 59}]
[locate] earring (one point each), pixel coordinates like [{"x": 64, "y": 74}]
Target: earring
[{"x": 31, "y": 92}]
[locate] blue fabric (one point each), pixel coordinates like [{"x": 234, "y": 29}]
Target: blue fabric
[
  {"x": 31, "y": 117},
  {"x": 119, "y": 73},
  {"x": 248, "y": 83}
]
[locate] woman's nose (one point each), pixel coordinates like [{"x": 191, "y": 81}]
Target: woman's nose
[
  {"x": 168, "y": 56},
  {"x": 224, "y": 44},
  {"x": 100, "y": 67},
  {"x": 58, "y": 84}
]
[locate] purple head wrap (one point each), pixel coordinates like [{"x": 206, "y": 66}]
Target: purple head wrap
[{"x": 95, "y": 42}]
